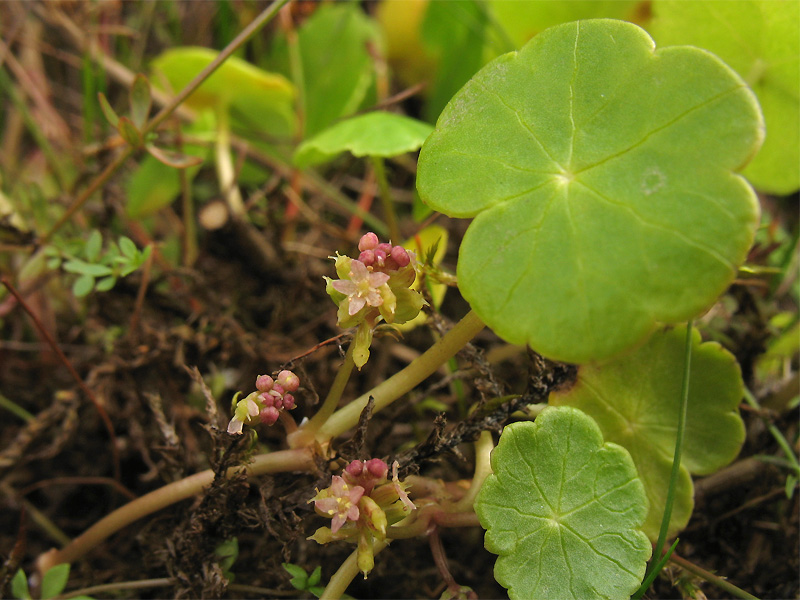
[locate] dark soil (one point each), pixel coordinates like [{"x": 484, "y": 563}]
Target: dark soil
[{"x": 238, "y": 312}]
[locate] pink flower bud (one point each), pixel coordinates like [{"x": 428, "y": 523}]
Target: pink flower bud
[
  {"x": 367, "y": 257},
  {"x": 288, "y": 402},
  {"x": 277, "y": 390},
  {"x": 289, "y": 381},
  {"x": 355, "y": 468},
  {"x": 267, "y": 399},
  {"x": 380, "y": 257},
  {"x": 400, "y": 256},
  {"x": 376, "y": 468},
  {"x": 269, "y": 415},
  {"x": 385, "y": 248},
  {"x": 264, "y": 383},
  {"x": 368, "y": 241}
]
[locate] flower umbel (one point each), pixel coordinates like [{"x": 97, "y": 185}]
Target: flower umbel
[
  {"x": 362, "y": 504},
  {"x": 266, "y": 403},
  {"x": 374, "y": 287}
]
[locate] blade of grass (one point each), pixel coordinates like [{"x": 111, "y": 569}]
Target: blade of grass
[{"x": 676, "y": 459}]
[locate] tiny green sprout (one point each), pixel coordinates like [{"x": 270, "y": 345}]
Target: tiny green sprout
[
  {"x": 53, "y": 584},
  {"x": 227, "y": 552},
  {"x": 97, "y": 270},
  {"x": 374, "y": 288},
  {"x": 304, "y": 582}
]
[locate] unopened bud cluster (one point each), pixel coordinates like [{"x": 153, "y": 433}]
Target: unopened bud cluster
[
  {"x": 266, "y": 403},
  {"x": 362, "y": 502},
  {"x": 374, "y": 287}
]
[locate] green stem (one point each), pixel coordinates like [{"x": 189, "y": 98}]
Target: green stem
[
  {"x": 275, "y": 462},
  {"x": 711, "y": 578},
  {"x": 386, "y": 199},
  {"x": 676, "y": 459},
  {"x": 306, "y": 433},
  {"x": 405, "y": 380},
  {"x": 346, "y": 573},
  {"x": 782, "y": 442}
]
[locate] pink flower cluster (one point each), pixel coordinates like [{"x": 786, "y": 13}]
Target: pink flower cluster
[
  {"x": 266, "y": 403},
  {"x": 381, "y": 256},
  {"x": 275, "y": 395}
]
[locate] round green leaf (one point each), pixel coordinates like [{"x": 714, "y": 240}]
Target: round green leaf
[
  {"x": 635, "y": 401},
  {"x": 562, "y": 510},
  {"x": 236, "y": 85},
  {"x": 761, "y": 40},
  {"x": 523, "y": 20},
  {"x": 599, "y": 173},
  {"x": 373, "y": 134}
]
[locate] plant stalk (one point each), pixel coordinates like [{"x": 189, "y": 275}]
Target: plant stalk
[
  {"x": 346, "y": 573},
  {"x": 305, "y": 435},
  {"x": 711, "y": 578},
  {"x": 404, "y": 381},
  {"x": 386, "y": 200},
  {"x": 275, "y": 462},
  {"x": 224, "y": 163}
]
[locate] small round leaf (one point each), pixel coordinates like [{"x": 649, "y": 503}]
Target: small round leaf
[
  {"x": 600, "y": 172},
  {"x": 563, "y": 511},
  {"x": 635, "y": 400},
  {"x": 377, "y": 133}
]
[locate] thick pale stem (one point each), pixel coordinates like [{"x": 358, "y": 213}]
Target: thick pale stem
[
  {"x": 224, "y": 164},
  {"x": 346, "y": 573},
  {"x": 483, "y": 468},
  {"x": 286, "y": 460},
  {"x": 305, "y": 435},
  {"x": 405, "y": 380}
]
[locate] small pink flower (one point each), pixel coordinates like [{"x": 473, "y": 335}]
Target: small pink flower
[
  {"x": 340, "y": 502},
  {"x": 288, "y": 381},
  {"x": 362, "y": 287}
]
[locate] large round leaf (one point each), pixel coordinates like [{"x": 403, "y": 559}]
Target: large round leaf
[
  {"x": 562, "y": 510},
  {"x": 600, "y": 175},
  {"x": 761, "y": 40},
  {"x": 635, "y": 401}
]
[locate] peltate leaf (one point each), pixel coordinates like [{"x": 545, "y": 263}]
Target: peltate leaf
[
  {"x": 761, "y": 41},
  {"x": 635, "y": 401},
  {"x": 377, "y": 133},
  {"x": 563, "y": 511},
  {"x": 599, "y": 171}
]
